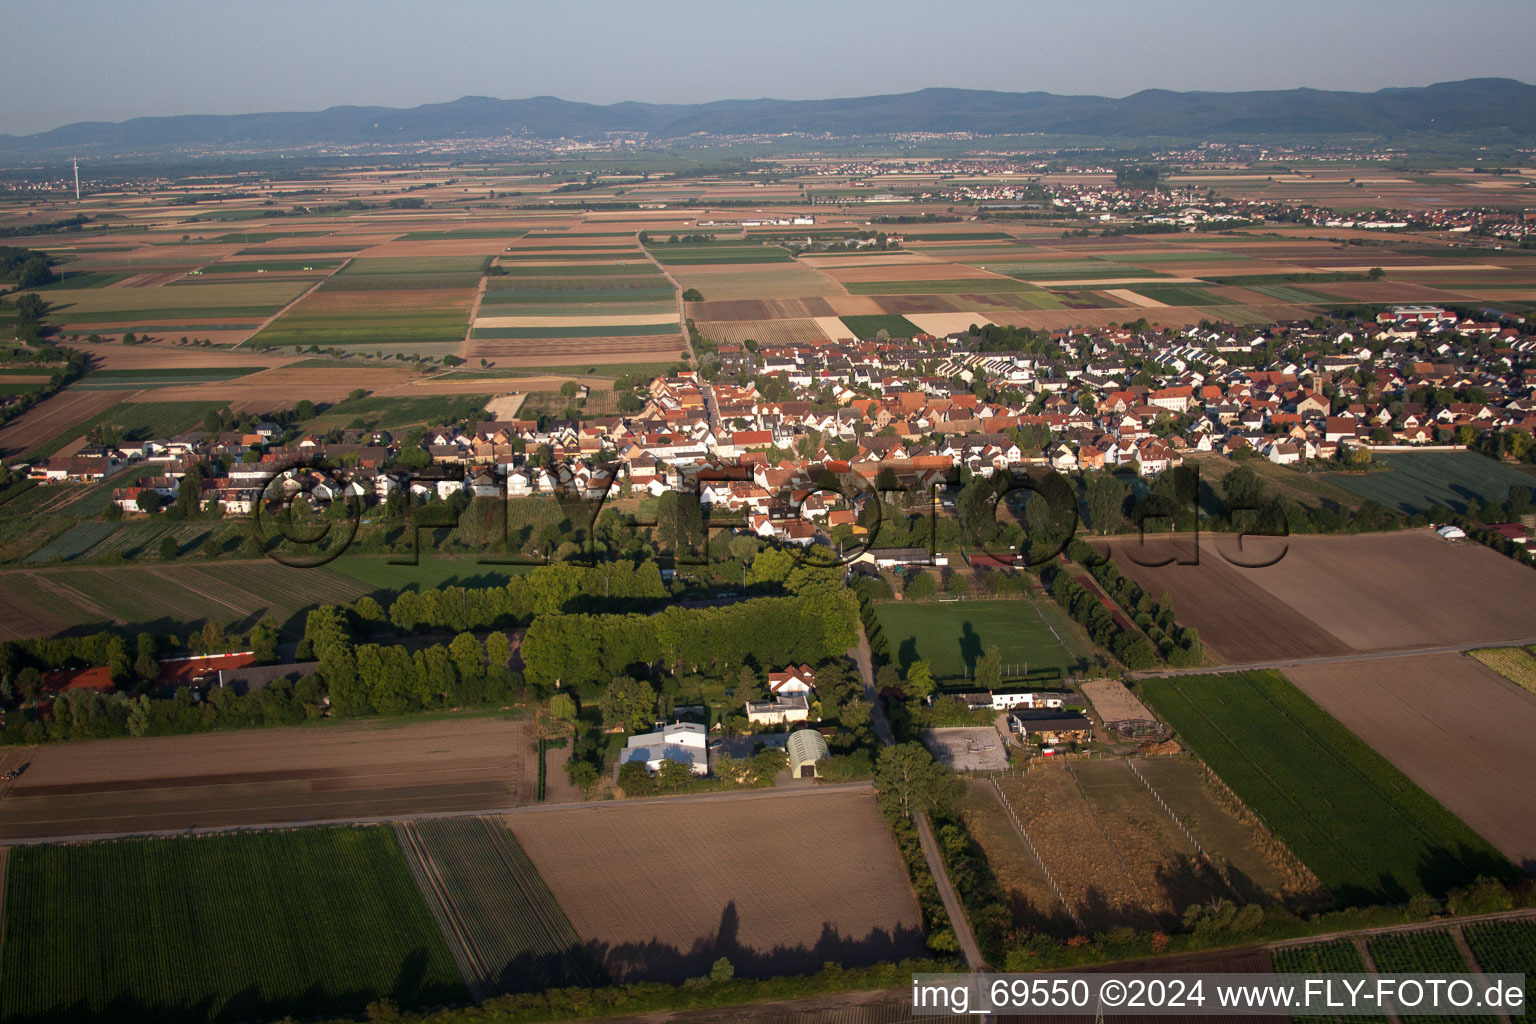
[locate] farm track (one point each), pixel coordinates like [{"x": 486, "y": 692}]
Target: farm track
[{"x": 1330, "y": 659}]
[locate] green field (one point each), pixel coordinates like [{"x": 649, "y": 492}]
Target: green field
[
  {"x": 471, "y": 233},
  {"x": 73, "y": 542},
  {"x": 640, "y": 267},
  {"x": 1176, "y": 294},
  {"x": 506, "y": 914},
  {"x": 133, "y": 380},
  {"x": 1417, "y": 480},
  {"x": 433, "y": 572},
  {"x": 956, "y": 286},
  {"x": 950, "y": 636},
  {"x": 1337, "y": 957},
  {"x": 411, "y": 273},
  {"x": 1362, "y": 826},
  {"x": 685, "y": 255},
  {"x": 232, "y": 927},
  {"x": 270, "y": 266},
  {"x": 608, "y": 331},
  {"x": 1507, "y": 947},
  {"x": 869, "y": 326},
  {"x": 172, "y": 596},
  {"x": 134, "y": 421}
]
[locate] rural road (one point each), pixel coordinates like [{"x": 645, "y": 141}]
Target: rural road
[
  {"x": 951, "y": 899},
  {"x": 1330, "y": 659}
]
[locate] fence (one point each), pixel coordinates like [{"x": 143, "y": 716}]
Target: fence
[{"x": 1029, "y": 844}]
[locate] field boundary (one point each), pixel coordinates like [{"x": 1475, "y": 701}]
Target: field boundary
[
  {"x": 1325, "y": 659},
  {"x": 269, "y": 321},
  {"x": 390, "y": 819}
]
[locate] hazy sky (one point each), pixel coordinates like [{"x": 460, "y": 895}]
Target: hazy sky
[{"x": 110, "y": 60}]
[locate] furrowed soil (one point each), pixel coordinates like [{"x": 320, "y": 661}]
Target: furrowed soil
[
  {"x": 1335, "y": 595},
  {"x": 778, "y": 882},
  {"x": 268, "y": 776},
  {"x": 1458, "y": 729}
]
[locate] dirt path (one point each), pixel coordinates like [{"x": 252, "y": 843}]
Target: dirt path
[{"x": 474, "y": 314}]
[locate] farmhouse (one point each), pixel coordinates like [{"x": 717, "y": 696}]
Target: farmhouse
[
  {"x": 683, "y": 742},
  {"x": 999, "y": 701},
  {"x": 1052, "y": 727}
]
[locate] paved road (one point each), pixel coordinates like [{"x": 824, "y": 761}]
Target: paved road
[{"x": 1397, "y": 652}]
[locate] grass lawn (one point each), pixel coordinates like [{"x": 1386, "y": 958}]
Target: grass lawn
[
  {"x": 950, "y": 636},
  {"x": 869, "y": 326},
  {"x": 233, "y": 927}
]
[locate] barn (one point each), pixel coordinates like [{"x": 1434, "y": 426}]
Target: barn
[{"x": 806, "y": 747}]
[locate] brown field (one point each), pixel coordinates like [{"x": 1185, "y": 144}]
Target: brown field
[
  {"x": 283, "y": 386},
  {"x": 927, "y": 271},
  {"x": 855, "y": 305},
  {"x": 268, "y": 776},
  {"x": 1031, "y": 900},
  {"x": 778, "y": 881},
  {"x": 771, "y": 332},
  {"x": 760, "y": 309},
  {"x": 904, "y": 304},
  {"x": 1339, "y": 595},
  {"x": 1117, "y": 857},
  {"x": 512, "y": 352},
  {"x": 727, "y": 281},
  {"x": 52, "y": 416},
  {"x": 1458, "y": 729}
]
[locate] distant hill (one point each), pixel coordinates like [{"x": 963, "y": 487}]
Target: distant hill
[{"x": 1495, "y": 110}]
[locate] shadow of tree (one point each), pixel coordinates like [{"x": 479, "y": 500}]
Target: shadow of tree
[{"x": 656, "y": 960}]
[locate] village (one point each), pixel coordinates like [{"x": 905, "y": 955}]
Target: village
[{"x": 784, "y": 437}]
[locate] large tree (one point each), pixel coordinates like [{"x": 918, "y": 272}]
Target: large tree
[{"x": 909, "y": 781}]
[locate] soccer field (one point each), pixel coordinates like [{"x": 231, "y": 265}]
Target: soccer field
[{"x": 1033, "y": 638}]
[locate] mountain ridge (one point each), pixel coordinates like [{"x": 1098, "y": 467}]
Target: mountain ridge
[{"x": 1502, "y": 109}]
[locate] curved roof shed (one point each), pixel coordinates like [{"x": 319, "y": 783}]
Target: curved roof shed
[{"x": 806, "y": 747}]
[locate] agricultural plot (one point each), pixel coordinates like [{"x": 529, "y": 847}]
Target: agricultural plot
[
  {"x": 303, "y": 923},
  {"x": 317, "y": 772},
  {"x": 1078, "y": 850},
  {"x": 1328, "y": 595},
  {"x": 168, "y": 597},
  {"x": 1367, "y": 832},
  {"x": 618, "y": 313},
  {"x": 730, "y": 282},
  {"x": 674, "y": 902},
  {"x": 1414, "y": 481},
  {"x": 506, "y": 931},
  {"x": 133, "y": 421},
  {"x": 1433, "y": 951},
  {"x": 72, "y": 543},
  {"x": 1506, "y": 947},
  {"x": 191, "y": 307},
  {"x": 950, "y": 636},
  {"x": 1452, "y": 726},
  {"x": 385, "y": 300},
  {"x": 870, "y": 326},
  {"x": 688, "y": 255},
  {"x": 170, "y": 376},
  {"x": 1517, "y": 664},
  {"x": 1338, "y": 957}
]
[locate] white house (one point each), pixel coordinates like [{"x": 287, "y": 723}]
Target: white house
[
  {"x": 794, "y": 708},
  {"x": 680, "y": 741}
]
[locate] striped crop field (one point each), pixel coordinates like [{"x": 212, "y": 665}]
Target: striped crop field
[
  {"x": 506, "y": 931},
  {"x": 230, "y": 927}
]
